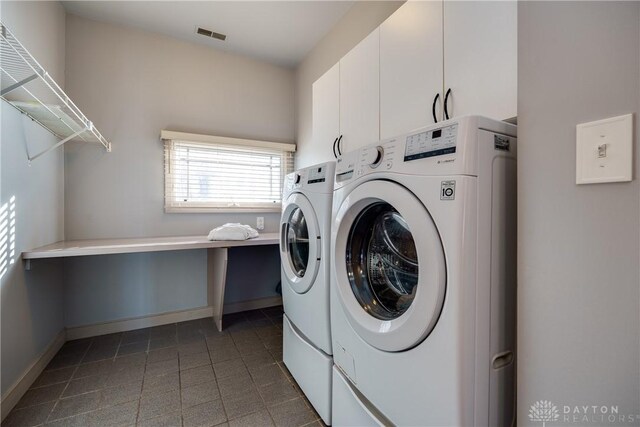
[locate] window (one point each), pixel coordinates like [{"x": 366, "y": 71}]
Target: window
[{"x": 209, "y": 174}]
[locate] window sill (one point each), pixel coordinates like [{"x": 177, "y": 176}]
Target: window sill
[{"x": 277, "y": 209}]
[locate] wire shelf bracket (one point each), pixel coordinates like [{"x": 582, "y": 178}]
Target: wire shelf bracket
[
  {"x": 18, "y": 84},
  {"x": 26, "y": 86},
  {"x": 67, "y": 139}
]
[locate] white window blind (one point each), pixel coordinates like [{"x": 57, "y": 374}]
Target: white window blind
[{"x": 207, "y": 174}]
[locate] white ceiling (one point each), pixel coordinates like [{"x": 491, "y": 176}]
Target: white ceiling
[{"x": 281, "y": 32}]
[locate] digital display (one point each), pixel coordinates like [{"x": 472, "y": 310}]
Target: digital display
[
  {"x": 433, "y": 143},
  {"x": 316, "y": 175}
]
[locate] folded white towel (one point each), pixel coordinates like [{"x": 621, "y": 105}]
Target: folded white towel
[{"x": 232, "y": 231}]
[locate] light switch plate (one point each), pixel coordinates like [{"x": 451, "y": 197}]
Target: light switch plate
[{"x": 604, "y": 150}]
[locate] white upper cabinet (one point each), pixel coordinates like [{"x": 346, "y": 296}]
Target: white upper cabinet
[
  {"x": 480, "y": 57},
  {"x": 326, "y": 114},
  {"x": 410, "y": 67},
  {"x": 360, "y": 94},
  {"x": 388, "y": 83}
]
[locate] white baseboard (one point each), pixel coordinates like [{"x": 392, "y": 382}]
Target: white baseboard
[
  {"x": 20, "y": 387},
  {"x": 77, "y": 332},
  {"x": 253, "y": 304}
]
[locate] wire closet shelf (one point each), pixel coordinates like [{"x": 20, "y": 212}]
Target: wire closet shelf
[{"x": 25, "y": 85}]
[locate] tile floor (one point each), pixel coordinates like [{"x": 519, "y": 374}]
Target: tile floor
[{"x": 185, "y": 374}]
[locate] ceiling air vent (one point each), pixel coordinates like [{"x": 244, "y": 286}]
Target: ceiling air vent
[{"x": 209, "y": 33}]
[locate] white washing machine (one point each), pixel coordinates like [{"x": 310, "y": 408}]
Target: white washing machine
[
  {"x": 424, "y": 278},
  {"x": 304, "y": 251}
]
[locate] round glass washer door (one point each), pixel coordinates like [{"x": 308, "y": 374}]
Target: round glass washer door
[
  {"x": 299, "y": 243},
  {"x": 390, "y": 265},
  {"x": 382, "y": 262}
]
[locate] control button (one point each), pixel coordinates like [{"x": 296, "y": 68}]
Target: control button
[
  {"x": 389, "y": 164},
  {"x": 373, "y": 156},
  {"x": 379, "y": 157},
  {"x": 369, "y": 156}
]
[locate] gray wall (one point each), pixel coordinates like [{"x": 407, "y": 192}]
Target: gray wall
[
  {"x": 579, "y": 283},
  {"x": 132, "y": 285},
  {"x": 133, "y": 84},
  {"x": 357, "y": 23},
  {"x": 103, "y": 288},
  {"x": 31, "y": 301}
]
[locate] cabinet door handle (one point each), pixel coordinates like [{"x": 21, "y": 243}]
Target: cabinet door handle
[
  {"x": 446, "y": 101},
  {"x": 339, "y": 149},
  {"x": 334, "y": 147},
  {"x": 433, "y": 108}
]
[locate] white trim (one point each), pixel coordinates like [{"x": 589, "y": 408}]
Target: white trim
[
  {"x": 194, "y": 137},
  {"x": 96, "y": 329},
  {"x": 254, "y": 304},
  {"x": 214, "y": 209},
  {"x": 20, "y": 387}
]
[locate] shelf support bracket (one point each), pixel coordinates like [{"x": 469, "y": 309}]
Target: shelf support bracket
[
  {"x": 18, "y": 84},
  {"x": 27, "y": 264},
  {"x": 67, "y": 139}
]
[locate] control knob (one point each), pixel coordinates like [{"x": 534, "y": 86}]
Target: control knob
[{"x": 373, "y": 156}]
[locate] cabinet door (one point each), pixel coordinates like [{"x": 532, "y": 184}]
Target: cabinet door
[
  {"x": 480, "y": 54},
  {"x": 410, "y": 67},
  {"x": 325, "y": 114},
  {"x": 360, "y": 94}
]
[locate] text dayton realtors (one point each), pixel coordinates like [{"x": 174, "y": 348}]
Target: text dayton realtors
[{"x": 596, "y": 414}]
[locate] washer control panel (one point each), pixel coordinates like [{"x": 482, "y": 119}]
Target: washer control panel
[
  {"x": 397, "y": 151},
  {"x": 431, "y": 143},
  {"x": 366, "y": 160},
  {"x": 445, "y": 148}
]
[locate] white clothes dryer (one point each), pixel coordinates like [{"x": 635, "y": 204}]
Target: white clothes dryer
[{"x": 304, "y": 251}]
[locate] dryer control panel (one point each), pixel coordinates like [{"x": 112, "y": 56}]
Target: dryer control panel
[
  {"x": 317, "y": 175},
  {"x": 316, "y": 179}
]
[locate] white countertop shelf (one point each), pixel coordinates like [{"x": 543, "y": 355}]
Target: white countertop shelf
[
  {"x": 72, "y": 248},
  {"x": 27, "y": 86}
]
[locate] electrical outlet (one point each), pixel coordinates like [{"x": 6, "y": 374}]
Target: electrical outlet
[{"x": 260, "y": 223}]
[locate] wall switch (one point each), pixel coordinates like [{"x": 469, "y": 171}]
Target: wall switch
[
  {"x": 604, "y": 150},
  {"x": 260, "y": 223}
]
